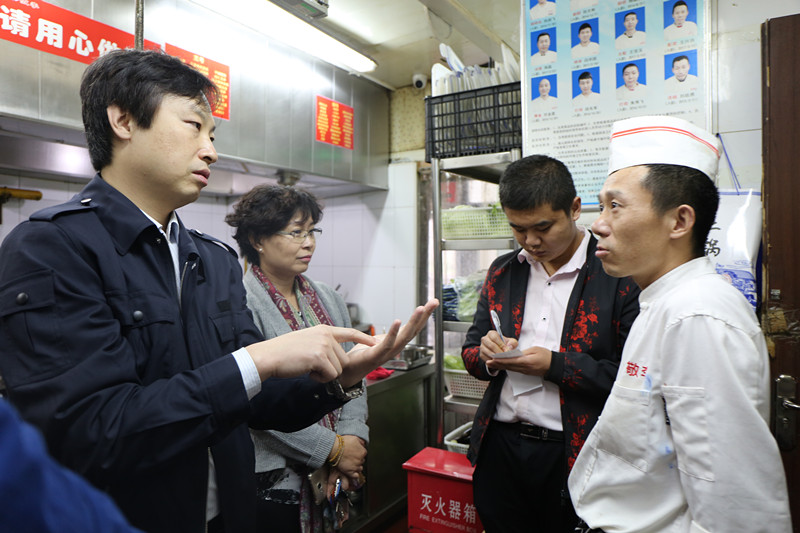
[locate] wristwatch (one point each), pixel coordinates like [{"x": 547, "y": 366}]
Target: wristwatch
[{"x": 335, "y": 388}]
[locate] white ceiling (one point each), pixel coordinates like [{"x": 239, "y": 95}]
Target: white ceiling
[{"x": 403, "y": 37}]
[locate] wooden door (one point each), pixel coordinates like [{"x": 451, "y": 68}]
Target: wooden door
[{"x": 781, "y": 195}]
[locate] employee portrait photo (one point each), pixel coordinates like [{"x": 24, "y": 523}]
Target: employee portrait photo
[
  {"x": 631, "y": 78},
  {"x": 544, "y": 91},
  {"x": 543, "y": 47},
  {"x": 575, "y": 5},
  {"x": 585, "y": 38},
  {"x": 629, "y": 29},
  {"x": 680, "y": 72},
  {"x": 542, "y": 8},
  {"x": 586, "y": 87},
  {"x": 680, "y": 19}
]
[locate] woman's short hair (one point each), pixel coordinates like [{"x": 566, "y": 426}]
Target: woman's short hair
[{"x": 266, "y": 210}]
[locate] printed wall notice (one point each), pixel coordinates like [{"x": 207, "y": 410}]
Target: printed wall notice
[
  {"x": 54, "y": 30},
  {"x": 588, "y": 63},
  {"x": 334, "y": 123},
  {"x": 216, "y": 72}
]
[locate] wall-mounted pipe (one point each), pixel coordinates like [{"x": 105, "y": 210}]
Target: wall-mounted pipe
[{"x": 7, "y": 193}]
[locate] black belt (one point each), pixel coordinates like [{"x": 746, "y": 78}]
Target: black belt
[
  {"x": 583, "y": 528},
  {"x": 530, "y": 431}
]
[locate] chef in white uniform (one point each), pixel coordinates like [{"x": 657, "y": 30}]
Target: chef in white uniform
[{"x": 683, "y": 443}]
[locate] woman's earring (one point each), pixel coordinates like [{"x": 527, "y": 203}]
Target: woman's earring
[{"x": 260, "y": 250}]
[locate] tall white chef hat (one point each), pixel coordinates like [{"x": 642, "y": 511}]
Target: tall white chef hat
[{"x": 654, "y": 140}]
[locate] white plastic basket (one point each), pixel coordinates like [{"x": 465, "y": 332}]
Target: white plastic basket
[
  {"x": 468, "y": 222},
  {"x": 450, "y": 439},
  {"x": 460, "y": 383}
]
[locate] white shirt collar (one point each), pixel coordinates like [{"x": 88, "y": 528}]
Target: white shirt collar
[{"x": 575, "y": 262}]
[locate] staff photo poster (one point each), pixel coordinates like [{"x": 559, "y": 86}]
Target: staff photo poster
[{"x": 588, "y": 63}]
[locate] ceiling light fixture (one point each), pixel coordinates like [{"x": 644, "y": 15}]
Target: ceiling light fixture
[
  {"x": 267, "y": 18},
  {"x": 299, "y": 34}
]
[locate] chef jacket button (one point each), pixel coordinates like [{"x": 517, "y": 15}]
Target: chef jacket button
[
  {"x": 138, "y": 316},
  {"x": 86, "y": 201},
  {"x": 22, "y": 298},
  {"x": 316, "y": 396}
]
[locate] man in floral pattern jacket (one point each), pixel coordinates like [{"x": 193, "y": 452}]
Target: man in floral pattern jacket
[{"x": 570, "y": 320}]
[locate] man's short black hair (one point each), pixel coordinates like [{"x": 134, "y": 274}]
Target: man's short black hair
[
  {"x": 535, "y": 181},
  {"x": 136, "y": 81},
  {"x": 267, "y": 209},
  {"x": 679, "y": 3},
  {"x": 629, "y": 13},
  {"x": 585, "y": 75},
  {"x": 674, "y": 185},
  {"x": 541, "y": 34},
  {"x": 584, "y": 26},
  {"x": 679, "y": 58},
  {"x": 629, "y": 65}
]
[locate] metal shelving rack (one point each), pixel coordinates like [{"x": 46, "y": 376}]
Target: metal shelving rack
[{"x": 484, "y": 167}]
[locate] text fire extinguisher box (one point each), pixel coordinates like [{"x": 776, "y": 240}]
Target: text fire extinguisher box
[{"x": 440, "y": 493}]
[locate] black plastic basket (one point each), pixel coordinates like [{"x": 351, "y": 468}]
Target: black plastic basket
[{"x": 479, "y": 121}]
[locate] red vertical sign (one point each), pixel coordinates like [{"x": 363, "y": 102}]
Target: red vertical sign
[
  {"x": 334, "y": 123},
  {"x": 216, "y": 72},
  {"x": 57, "y": 31}
]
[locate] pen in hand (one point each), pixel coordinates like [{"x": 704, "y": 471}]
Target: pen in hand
[{"x": 496, "y": 323}]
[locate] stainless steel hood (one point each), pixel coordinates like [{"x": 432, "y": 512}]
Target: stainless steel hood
[{"x": 47, "y": 151}]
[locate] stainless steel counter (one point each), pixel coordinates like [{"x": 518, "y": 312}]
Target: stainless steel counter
[{"x": 400, "y": 425}]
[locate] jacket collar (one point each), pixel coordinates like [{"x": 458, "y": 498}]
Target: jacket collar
[{"x": 123, "y": 219}]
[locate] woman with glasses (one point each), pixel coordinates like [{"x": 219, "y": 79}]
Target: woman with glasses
[{"x": 276, "y": 233}]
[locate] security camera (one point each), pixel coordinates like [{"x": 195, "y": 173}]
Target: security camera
[{"x": 419, "y": 81}]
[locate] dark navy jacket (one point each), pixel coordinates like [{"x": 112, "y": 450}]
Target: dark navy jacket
[
  {"x": 599, "y": 315},
  {"x": 130, "y": 382},
  {"x": 41, "y": 496}
]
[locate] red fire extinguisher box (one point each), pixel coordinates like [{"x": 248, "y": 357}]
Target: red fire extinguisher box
[{"x": 440, "y": 493}]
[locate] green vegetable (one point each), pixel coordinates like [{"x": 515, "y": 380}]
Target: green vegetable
[{"x": 453, "y": 362}]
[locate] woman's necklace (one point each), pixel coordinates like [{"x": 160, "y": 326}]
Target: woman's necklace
[{"x": 297, "y": 309}]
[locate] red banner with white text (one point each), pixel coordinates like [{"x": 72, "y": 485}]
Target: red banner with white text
[{"x": 57, "y": 31}]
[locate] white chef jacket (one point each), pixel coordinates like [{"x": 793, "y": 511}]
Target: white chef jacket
[
  {"x": 637, "y": 39},
  {"x": 591, "y": 49},
  {"x": 548, "y": 9},
  {"x": 581, "y": 100},
  {"x": 548, "y": 57},
  {"x": 683, "y": 443},
  {"x": 623, "y": 93},
  {"x": 540, "y": 105},
  {"x": 689, "y": 29},
  {"x": 673, "y": 86}
]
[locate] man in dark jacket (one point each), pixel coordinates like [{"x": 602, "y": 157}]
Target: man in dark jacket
[
  {"x": 126, "y": 338},
  {"x": 566, "y": 321}
]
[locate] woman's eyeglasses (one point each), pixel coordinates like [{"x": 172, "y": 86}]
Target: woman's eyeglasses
[{"x": 299, "y": 236}]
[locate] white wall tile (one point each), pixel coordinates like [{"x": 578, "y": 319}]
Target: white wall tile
[
  {"x": 732, "y": 15},
  {"x": 404, "y": 237},
  {"x": 376, "y": 199},
  {"x": 403, "y": 184},
  {"x": 405, "y": 291},
  {"x": 377, "y": 300},
  {"x": 347, "y": 236},
  {"x": 381, "y": 249},
  {"x": 744, "y": 150},
  {"x": 350, "y": 280},
  {"x": 320, "y": 272},
  {"x": 737, "y": 90}
]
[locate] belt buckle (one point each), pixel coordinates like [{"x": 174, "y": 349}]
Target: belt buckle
[{"x": 531, "y": 431}]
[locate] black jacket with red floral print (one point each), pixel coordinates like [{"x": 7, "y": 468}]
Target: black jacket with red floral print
[{"x": 599, "y": 315}]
